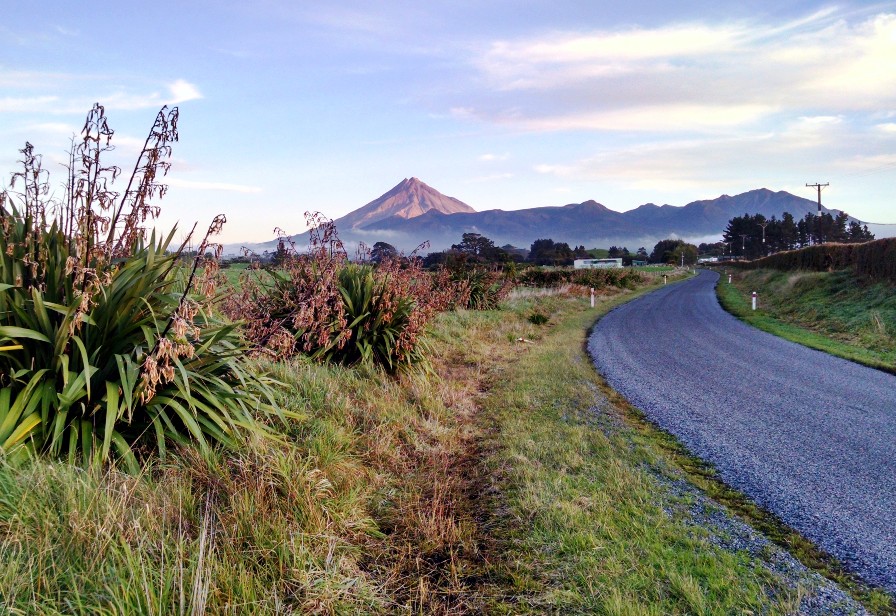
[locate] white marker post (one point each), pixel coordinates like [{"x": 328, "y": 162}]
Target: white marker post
[
  {"x": 664, "y": 278},
  {"x": 729, "y": 278},
  {"x": 754, "y": 300},
  {"x": 592, "y": 297}
]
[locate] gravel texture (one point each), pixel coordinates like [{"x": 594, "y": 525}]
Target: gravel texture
[{"x": 808, "y": 436}]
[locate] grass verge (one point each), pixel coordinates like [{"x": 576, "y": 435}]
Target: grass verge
[
  {"x": 582, "y": 525},
  {"x": 505, "y": 481},
  {"x": 828, "y": 311}
]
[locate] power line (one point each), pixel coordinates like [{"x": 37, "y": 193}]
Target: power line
[{"x": 860, "y": 172}]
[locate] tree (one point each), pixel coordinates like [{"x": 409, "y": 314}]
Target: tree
[
  {"x": 662, "y": 252},
  {"x": 684, "y": 254},
  {"x": 381, "y": 251},
  {"x": 547, "y": 252},
  {"x": 477, "y": 247},
  {"x": 280, "y": 255}
]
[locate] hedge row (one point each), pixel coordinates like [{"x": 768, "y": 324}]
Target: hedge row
[
  {"x": 875, "y": 260},
  {"x": 597, "y": 278}
]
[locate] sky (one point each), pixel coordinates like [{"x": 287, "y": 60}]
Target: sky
[{"x": 288, "y": 107}]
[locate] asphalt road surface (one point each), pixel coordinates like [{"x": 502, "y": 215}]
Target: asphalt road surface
[{"x": 809, "y": 436}]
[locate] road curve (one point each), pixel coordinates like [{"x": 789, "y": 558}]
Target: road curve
[{"x": 809, "y": 436}]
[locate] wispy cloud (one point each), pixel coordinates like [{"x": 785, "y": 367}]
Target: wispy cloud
[
  {"x": 695, "y": 75},
  {"x": 12, "y": 104},
  {"x": 653, "y": 118},
  {"x": 65, "y": 93},
  {"x": 488, "y": 158},
  {"x": 66, "y": 31}
]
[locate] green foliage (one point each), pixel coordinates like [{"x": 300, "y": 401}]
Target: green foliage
[
  {"x": 830, "y": 311},
  {"x": 80, "y": 387},
  {"x": 537, "y": 318},
  {"x": 480, "y": 288},
  {"x": 480, "y": 249},
  {"x": 874, "y": 260},
  {"x": 754, "y": 236},
  {"x": 670, "y": 251},
  {"x": 377, "y": 321},
  {"x": 549, "y": 252},
  {"x": 103, "y": 348},
  {"x": 684, "y": 254},
  {"x": 321, "y": 305},
  {"x": 594, "y": 278}
]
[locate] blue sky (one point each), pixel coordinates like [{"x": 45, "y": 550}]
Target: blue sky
[{"x": 287, "y": 107}]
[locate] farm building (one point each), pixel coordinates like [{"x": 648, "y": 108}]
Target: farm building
[{"x": 597, "y": 263}]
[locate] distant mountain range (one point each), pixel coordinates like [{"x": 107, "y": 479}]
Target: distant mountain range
[{"x": 413, "y": 212}]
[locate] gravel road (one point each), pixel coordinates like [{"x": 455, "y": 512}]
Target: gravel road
[{"x": 809, "y": 436}]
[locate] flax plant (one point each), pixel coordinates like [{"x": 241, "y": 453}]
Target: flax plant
[
  {"x": 105, "y": 345},
  {"x": 321, "y": 305}
]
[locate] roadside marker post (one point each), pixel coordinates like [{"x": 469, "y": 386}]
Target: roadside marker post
[
  {"x": 729, "y": 278},
  {"x": 592, "y": 297},
  {"x": 754, "y": 300},
  {"x": 664, "y": 278}
]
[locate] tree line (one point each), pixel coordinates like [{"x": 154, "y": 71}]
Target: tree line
[
  {"x": 475, "y": 248},
  {"x": 754, "y": 236}
]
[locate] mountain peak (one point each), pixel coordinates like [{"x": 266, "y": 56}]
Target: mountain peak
[{"x": 409, "y": 198}]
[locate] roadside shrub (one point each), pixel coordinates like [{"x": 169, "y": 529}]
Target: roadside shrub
[
  {"x": 875, "y": 260},
  {"x": 596, "y": 278},
  {"x": 321, "y": 305},
  {"x": 104, "y": 346},
  {"x": 478, "y": 288}
]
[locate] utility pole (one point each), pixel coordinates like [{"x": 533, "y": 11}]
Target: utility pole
[
  {"x": 763, "y": 225},
  {"x": 819, "y": 187}
]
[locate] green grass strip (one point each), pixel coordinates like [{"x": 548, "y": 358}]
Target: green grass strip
[
  {"x": 584, "y": 525},
  {"x": 771, "y": 318}
]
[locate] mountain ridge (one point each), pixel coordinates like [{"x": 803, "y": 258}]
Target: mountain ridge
[
  {"x": 410, "y": 198},
  {"x": 412, "y": 213}
]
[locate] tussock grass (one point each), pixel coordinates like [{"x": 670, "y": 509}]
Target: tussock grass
[
  {"x": 834, "y": 312},
  {"x": 358, "y": 508}
]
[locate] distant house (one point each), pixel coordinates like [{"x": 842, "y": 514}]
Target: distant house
[
  {"x": 636, "y": 263},
  {"x": 597, "y": 263}
]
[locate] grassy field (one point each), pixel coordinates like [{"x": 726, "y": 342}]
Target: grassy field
[
  {"x": 508, "y": 479},
  {"x": 829, "y": 311}
]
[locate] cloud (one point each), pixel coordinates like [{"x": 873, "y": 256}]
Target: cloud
[
  {"x": 12, "y": 104},
  {"x": 653, "y": 118},
  {"x": 679, "y": 166},
  {"x": 220, "y": 186},
  {"x": 699, "y": 76},
  {"x": 888, "y": 127},
  {"x": 182, "y": 91},
  {"x": 493, "y": 157},
  {"x": 65, "y": 93},
  {"x": 65, "y": 31}
]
